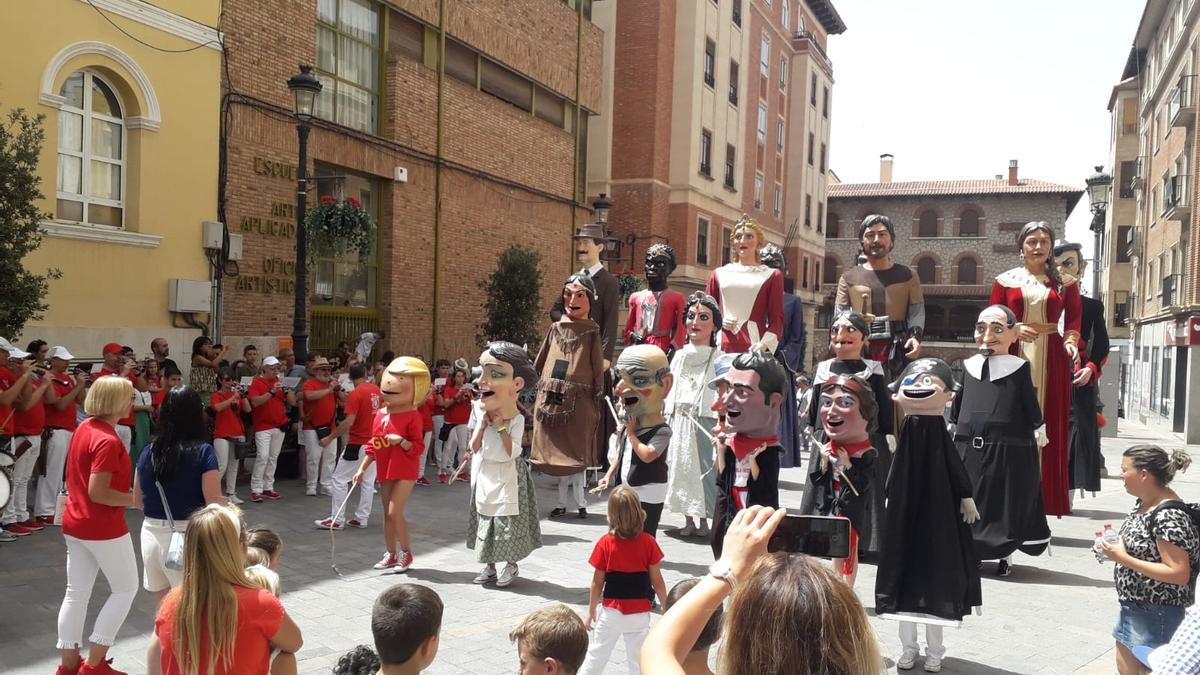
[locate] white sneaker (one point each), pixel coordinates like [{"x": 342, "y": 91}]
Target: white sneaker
[
  {"x": 933, "y": 664},
  {"x": 488, "y": 573},
  {"x": 907, "y": 659},
  {"x": 310, "y": 492},
  {"x": 507, "y": 575},
  {"x": 233, "y": 499}
]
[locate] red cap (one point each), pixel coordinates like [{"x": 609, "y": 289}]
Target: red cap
[{"x": 112, "y": 348}]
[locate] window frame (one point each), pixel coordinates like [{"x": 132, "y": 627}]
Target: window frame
[
  {"x": 811, "y": 142},
  {"x": 783, "y": 70},
  {"x": 710, "y": 62},
  {"x": 824, "y": 157},
  {"x": 764, "y": 57},
  {"x": 777, "y": 202},
  {"x": 780, "y": 130},
  {"x": 703, "y": 224},
  {"x": 731, "y": 166},
  {"x": 379, "y": 49},
  {"x": 921, "y": 218},
  {"x": 786, "y": 14},
  {"x": 759, "y": 186},
  {"x": 762, "y": 123},
  {"x": 734, "y": 84},
  {"x": 917, "y": 268},
  {"x": 958, "y": 270},
  {"x": 706, "y": 141},
  {"x": 736, "y": 14},
  {"x": 86, "y": 156},
  {"x": 324, "y": 173},
  {"x": 804, "y": 272},
  {"x": 812, "y": 94}
]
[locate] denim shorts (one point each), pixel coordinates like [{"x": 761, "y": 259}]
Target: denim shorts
[{"x": 1141, "y": 623}]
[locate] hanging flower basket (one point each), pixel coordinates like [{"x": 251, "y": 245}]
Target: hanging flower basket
[
  {"x": 336, "y": 228},
  {"x": 629, "y": 284}
]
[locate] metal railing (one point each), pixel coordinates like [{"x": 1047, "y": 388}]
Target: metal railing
[
  {"x": 331, "y": 325},
  {"x": 1175, "y": 192},
  {"x": 1181, "y": 97}
]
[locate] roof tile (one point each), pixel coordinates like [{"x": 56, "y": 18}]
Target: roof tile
[{"x": 924, "y": 188}]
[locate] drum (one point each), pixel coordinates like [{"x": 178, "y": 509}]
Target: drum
[
  {"x": 6, "y": 464},
  {"x": 7, "y": 461}
]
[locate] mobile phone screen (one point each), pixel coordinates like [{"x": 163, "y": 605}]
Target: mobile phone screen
[{"x": 818, "y": 536}]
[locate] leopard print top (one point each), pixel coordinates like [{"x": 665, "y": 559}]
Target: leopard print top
[{"x": 1173, "y": 526}]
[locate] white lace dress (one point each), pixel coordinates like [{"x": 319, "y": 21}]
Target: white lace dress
[{"x": 691, "y": 483}]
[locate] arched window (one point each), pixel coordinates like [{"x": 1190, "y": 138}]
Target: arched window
[
  {"x": 968, "y": 223},
  {"x": 833, "y": 225},
  {"x": 928, "y": 224},
  {"x": 832, "y": 271},
  {"x": 962, "y": 321},
  {"x": 968, "y": 271},
  {"x": 91, "y": 152},
  {"x": 927, "y": 270}
]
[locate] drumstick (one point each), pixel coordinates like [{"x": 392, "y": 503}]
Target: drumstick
[
  {"x": 809, "y": 435},
  {"x": 458, "y": 471},
  {"x": 699, "y": 426},
  {"x": 613, "y": 411}
]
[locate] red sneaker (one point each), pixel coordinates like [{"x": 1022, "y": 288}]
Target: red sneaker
[
  {"x": 18, "y": 529},
  {"x": 271, "y": 494},
  {"x": 464, "y": 476},
  {"x": 63, "y": 670},
  {"x": 256, "y": 497},
  {"x": 404, "y": 562},
  {"x": 355, "y": 522},
  {"x": 388, "y": 560},
  {"x": 46, "y": 520},
  {"x": 33, "y": 524},
  {"x": 327, "y": 524},
  {"x": 441, "y": 478},
  {"x": 104, "y": 668},
  {"x": 422, "y": 481}
]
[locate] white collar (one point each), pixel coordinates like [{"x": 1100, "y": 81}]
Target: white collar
[
  {"x": 594, "y": 269},
  {"x": 999, "y": 367}
]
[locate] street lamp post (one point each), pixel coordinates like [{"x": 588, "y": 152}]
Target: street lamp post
[
  {"x": 1099, "y": 188},
  {"x": 304, "y": 87}
]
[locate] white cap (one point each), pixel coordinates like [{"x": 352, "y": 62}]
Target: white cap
[
  {"x": 60, "y": 352},
  {"x": 13, "y": 352},
  {"x": 270, "y": 361}
]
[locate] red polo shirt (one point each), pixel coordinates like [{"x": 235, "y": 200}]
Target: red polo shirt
[
  {"x": 124, "y": 421},
  {"x": 273, "y": 413},
  {"x": 65, "y": 418}
]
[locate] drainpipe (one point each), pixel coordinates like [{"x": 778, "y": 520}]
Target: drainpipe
[
  {"x": 437, "y": 177},
  {"x": 578, "y": 124}
]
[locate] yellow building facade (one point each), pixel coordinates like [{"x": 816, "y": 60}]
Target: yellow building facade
[{"x": 131, "y": 93}]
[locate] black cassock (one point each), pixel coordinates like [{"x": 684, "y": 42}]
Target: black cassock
[
  {"x": 870, "y": 525},
  {"x": 928, "y": 563},
  {"x": 995, "y": 421},
  {"x": 1084, "y": 439}
]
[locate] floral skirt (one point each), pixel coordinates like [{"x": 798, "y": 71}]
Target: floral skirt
[{"x": 507, "y": 538}]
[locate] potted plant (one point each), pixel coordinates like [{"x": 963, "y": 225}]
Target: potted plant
[{"x": 338, "y": 227}]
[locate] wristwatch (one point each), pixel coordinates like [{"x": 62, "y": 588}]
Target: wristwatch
[{"x": 722, "y": 571}]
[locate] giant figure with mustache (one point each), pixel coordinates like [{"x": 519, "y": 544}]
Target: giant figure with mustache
[{"x": 888, "y": 294}]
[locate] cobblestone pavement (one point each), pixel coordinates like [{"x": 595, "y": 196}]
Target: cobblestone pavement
[{"x": 1053, "y": 615}]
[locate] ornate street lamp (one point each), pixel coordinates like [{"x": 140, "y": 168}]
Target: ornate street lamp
[
  {"x": 304, "y": 87},
  {"x": 1099, "y": 189}
]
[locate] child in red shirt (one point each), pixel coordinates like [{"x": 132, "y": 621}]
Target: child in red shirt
[
  {"x": 397, "y": 443},
  {"x": 626, "y": 560}
]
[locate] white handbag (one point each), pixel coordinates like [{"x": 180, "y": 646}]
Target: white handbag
[{"x": 173, "y": 560}]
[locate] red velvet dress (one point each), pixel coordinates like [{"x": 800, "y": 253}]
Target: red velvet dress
[
  {"x": 753, "y": 295},
  {"x": 1035, "y": 302}
]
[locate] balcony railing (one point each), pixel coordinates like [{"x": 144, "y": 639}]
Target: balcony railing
[
  {"x": 1181, "y": 108},
  {"x": 1176, "y": 199},
  {"x": 1138, "y": 180},
  {"x": 1121, "y": 313},
  {"x": 331, "y": 325}
]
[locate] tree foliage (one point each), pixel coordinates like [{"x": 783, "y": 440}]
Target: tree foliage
[
  {"x": 23, "y": 298},
  {"x": 513, "y": 303}
]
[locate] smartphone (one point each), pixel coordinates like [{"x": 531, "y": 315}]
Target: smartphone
[
  {"x": 818, "y": 536},
  {"x": 96, "y": 368}
]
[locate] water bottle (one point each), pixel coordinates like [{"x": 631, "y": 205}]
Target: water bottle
[
  {"x": 1096, "y": 550},
  {"x": 1111, "y": 536}
]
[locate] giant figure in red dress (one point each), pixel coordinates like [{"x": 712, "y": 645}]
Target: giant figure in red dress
[{"x": 750, "y": 294}]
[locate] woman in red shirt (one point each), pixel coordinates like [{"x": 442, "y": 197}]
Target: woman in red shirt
[
  {"x": 227, "y": 404},
  {"x": 98, "y": 482},
  {"x": 456, "y": 401},
  {"x": 249, "y": 622}
]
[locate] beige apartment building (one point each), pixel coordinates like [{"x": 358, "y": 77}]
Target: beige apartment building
[
  {"x": 710, "y": 110},
  {"x": 1163, "y": 305},
  {"x": 1113, "y": 258}
]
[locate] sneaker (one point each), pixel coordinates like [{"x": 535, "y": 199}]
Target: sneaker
[
  {"x": 64, "y": 670},
  {"x": 558, "y": 512},
  {"x": 1002, "y": 570},
  {"x": 933, "y": 664},
  {"x": 582, "y": 514},
  {"x": 233, "y": 499},
  {"x": 6, "y": 536},
  {"x": 907, "y": 659},
  {"x": 48, "y": 521},
  {"x": 507, "y": 575},
  {"x": 327, "y": 524},
  {"x": 355, "y": 522},
  {"x": 18, "y": 529},
  {"x": 105, "y": 668},
  {"x": 310, "y": 492},
  {"x": 256, "y": 497},
  {"x": 404, "y": 562},
  {"x": 464, "y": 477},
  {"x": 34, "y": 525},
  {"x": 271, "y": 494},
  {"x": 387, "y": 561},
  {"x": 422, "y": 481},
  {"x": 488, "y": 573},
  {"x": 441, "y": 477}
]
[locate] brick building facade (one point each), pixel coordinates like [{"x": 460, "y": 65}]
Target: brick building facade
[
  {"x": 712, "y": 110},
  {"x": 483, "y": 107},
  {"x": 956, "y": 235}
]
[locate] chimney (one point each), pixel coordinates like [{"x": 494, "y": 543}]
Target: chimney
[
  {"x": 885, "y": 168},
  {"x": 1012, "y": 172}
]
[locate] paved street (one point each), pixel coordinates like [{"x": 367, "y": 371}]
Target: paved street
[{"x": 1053, "y": 615}]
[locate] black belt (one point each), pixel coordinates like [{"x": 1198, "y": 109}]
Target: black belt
[{"x": 979, "y": 441}]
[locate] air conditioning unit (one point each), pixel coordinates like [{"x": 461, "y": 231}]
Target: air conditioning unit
[{"x": 188, "y": 296}]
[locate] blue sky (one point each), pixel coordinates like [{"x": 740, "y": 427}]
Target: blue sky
[{"x": 957, "y": 88}]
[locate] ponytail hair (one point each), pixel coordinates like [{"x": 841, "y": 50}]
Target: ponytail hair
[{"x": 1157, "y": 462}]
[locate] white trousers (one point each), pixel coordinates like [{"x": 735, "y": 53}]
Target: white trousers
[
  {"x": 227, "y": 463},
  {"x": 86, "y": 559},
  {"x": 448, "y": 452},
  {"x": 268, "y": 444},
  {"x": 424, "y": 454},
  {"x": 342, "y": 475},
  {"x": 573, "y": 484},
  {"x": 52, "y": 483},
  {"x": 438, "y": 422},
  {"x": 17, "y": 510},
  {"x": 610, "y": 626},
  {"x": 126, "y": 435},
  {"x": 933, "y": 639},
  {"x": 320, "y": 460},
  {"x": 156, "y": 542}
]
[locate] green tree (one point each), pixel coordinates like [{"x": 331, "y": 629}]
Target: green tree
[
  {"x": 23, "y": 299},
  {"x": 513, "y": 302}
]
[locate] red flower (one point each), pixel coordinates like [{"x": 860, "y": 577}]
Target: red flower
[
  {"x": 355, "y": 203},
  {"x": 327, "y": 199}
]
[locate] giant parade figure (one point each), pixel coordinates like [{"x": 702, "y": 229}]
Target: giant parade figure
[
  {"x": 750, "y": 294},
  {"x": 791, "y": 349},
  {"x": 656, "y": 313}
]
